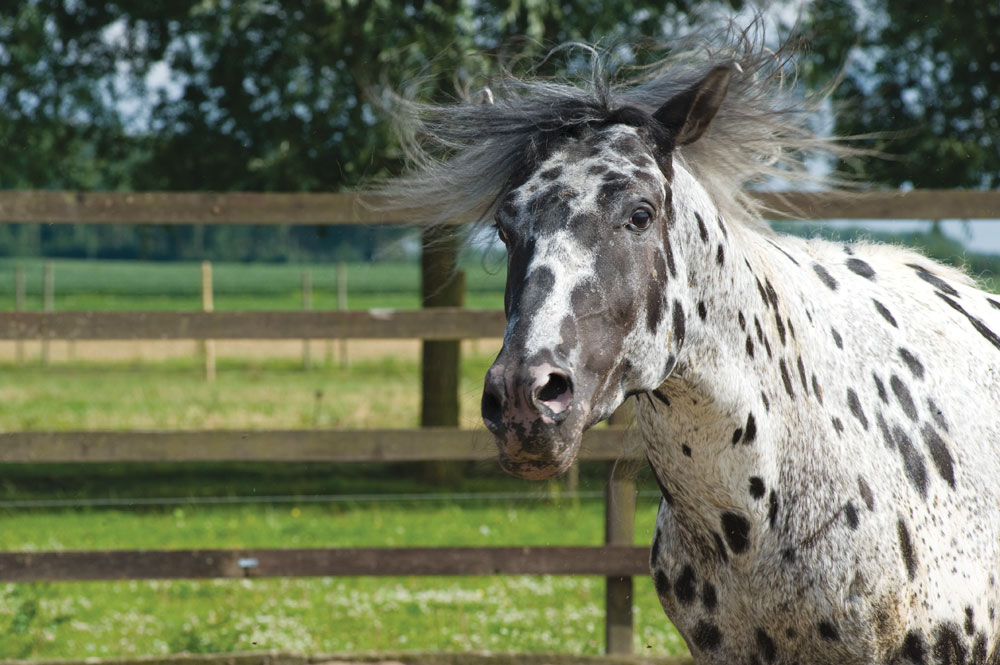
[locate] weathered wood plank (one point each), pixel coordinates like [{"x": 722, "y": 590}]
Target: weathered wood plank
[
  {"x": 367, "y": 445},
  {"x": 201, "y": 564},
  {"x": 916, "y": 204},
  {"x": 73, "y": 207},
  {"x": 441, "y": 323},
  {"x": 70, "y": 207}
]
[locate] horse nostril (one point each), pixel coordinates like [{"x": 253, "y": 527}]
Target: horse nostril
[
  {"x": 492, "y": 409},
  {"x": 557, "y": 385}
]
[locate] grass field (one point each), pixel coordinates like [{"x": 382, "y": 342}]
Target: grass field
[
  {"x": 134, "y": 285},
  {"x": 513, "y": 614}
]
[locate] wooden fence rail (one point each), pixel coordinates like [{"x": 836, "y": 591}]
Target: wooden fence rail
[
  {"x": 616, "y": 561},
  {"x": 439, "y": 323},
  {"x": 70, "y": 207},
  {"x": 342, "y": 446},
  {"x": 606, "y": 560}
]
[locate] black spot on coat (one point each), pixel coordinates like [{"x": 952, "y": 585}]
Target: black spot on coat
[
  {"x": 706, "y": 636},
  {"x": 866, "y": 493},
  {"x": 913, "y": 461},
  {"x": 736, "y": 530},
  {"x": 780, "y": 326},
  {"x": 949, "y": 646},
  {"x": 825, "y": 276},
  {"x": 702, "y": 231},
  {"x": 684, "y": 586},
  {"x": 817, "y": 391},
  {"x": 772, "y": 295},
  {"x": 709, "y": 599},
  {"x": 828, "y": 631},
  {"x": 654, "y": 309},
  {"x": 772, "y": 509},
  {"x": 880, "y": 387},
  {"x": 859, "y": 267},
  {"x": 785, "y": 378},
  {"x": 903, "y": 396},
  {"x": 977, "y": 323},
  {"x": 851, "y": 515},
  {"x": 906, "y": 549},
  {"x": 766, "y": 647},
  {"x": 662, "y": 584},
  {"x": 911, "y": 361},
  {"x": 837, "y": 339},
  {"x": 913, "y": 648},
  {"x": 940, "y": 454},
  {"x": 757, "y": 489},
  {"x": 750, "y": 430},
  {"x": 678, "y": 323},
  {"x": 933, "y": 279},
  {"x": 702, "y": 310},
  {"x": 885, "y": 313},
  {"x": 855, "y": 406}
]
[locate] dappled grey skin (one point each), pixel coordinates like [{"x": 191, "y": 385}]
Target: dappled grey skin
[{"x": 823, "y": 420}]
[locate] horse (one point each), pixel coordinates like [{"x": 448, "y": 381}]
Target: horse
[{"x": 822, "y": 419}]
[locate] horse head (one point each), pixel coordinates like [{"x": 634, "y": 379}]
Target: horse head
[{"x": 594, "y": 295}]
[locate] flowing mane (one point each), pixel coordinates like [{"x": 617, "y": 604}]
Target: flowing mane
[{"x": 463, "y": 156}]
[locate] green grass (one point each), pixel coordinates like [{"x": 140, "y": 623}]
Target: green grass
[
  {"x": 70, "y": 620},
  {"x": 82, "y": 285},
  {"x": 514, "y": 614},
  {"x": 262, "y": 394}
]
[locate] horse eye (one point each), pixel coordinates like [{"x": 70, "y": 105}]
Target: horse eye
[
  {"x": 640, "y": 219},
  {"x": 501, "y": 235}
]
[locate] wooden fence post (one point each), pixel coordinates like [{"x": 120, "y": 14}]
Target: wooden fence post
[
  {"x": 207, "y": 305},
  {"x": 341, "y": 306},
  {"x": 306, "y": 305},
  {"x": 442, "y": 285},
  {"x": 48, "y": 305},
  {"x": 619, "y": 525},
  {"x": 19, "y": 301}
]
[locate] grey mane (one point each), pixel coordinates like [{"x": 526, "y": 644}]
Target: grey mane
[{"x": 464, "y": 156}]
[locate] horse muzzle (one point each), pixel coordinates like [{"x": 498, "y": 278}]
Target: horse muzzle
[{"x": 536, "y": 416}]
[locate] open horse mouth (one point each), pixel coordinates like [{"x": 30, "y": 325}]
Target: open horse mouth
[{"x": 535, "y": 417}]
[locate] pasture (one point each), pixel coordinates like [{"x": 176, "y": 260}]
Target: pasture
[
  {"x": 526, "y": 614},
  {"x": 127, "y": 386}
]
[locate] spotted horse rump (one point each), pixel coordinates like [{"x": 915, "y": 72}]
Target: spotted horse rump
[{"x": 823, "y": 419}]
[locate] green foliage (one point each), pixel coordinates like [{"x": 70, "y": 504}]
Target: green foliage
[
  {"x": 226, "y": 95},
  {"x": 926, "y": 75}
]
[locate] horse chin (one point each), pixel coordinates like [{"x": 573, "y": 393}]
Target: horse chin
[
  {"x": 546, "y": 452},
  {"x": 535, "y": 469}
]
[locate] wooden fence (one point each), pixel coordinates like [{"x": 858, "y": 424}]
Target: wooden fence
[{"x": 617, "y": 560}]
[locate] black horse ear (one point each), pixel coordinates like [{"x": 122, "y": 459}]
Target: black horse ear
[{"x": 687, "y": 114}]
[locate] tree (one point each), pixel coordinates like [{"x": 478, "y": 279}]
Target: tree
[
  {"x": 265, "y": 96},
  {"x": 926, "y": 75}
]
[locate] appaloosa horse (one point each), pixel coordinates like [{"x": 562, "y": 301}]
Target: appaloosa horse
[{"x": 823, "y": 419}]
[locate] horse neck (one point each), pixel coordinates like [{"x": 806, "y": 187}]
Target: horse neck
[{"x": 715, "y": 433}]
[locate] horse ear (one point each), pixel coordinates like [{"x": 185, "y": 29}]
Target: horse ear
[{"x": 687, "y": 114}]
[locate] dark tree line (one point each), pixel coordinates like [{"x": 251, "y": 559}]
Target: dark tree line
[{"x": 270, "y": 96}]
